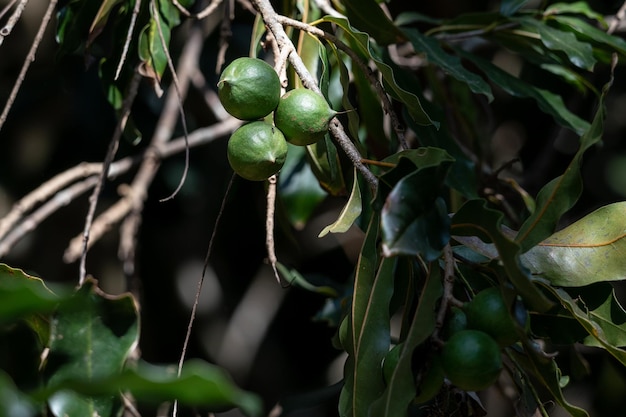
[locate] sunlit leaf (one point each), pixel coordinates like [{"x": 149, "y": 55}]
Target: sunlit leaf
[
  {"x": 560, "y": 194},
  {"x": 450, "y": 64},
  {"x": 89, "y": 343},
  {"x": 579, "y": 53},
  {"x": 400, "y": 389},
  {"x": 152, "y": 38},
  {"x": 593, "y": 249},
  {"x": 350, "y": 212},
  {"x": 577, "y": 7}
]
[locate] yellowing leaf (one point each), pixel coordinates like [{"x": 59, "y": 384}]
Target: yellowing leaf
[{"x": 593, "y": 249}]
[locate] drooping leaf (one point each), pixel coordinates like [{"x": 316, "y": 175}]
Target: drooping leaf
[
  {"x": 560, "y": 194},
  {"x": 154, "y": 35},
  {"x": 450, "y": 64},
  {"x": 400, "y": 389},
  {"x": 362, "y": 42},
  {"x": 293, "y": 277},
  {"x": 592, "y": 249},
  {"x": 350, "y": 212},
  {"x": 100, "y": 20},
  {"x": 604, "y": 308},
  {"x": 89, "y": 343},
  {"x": 577, "y": 7},
  {"x": 367, "y": 16},
  {"x": 592, "y": 34},
  {"x": 474, "y": 218},
  {"x": 547, "y": 101},
  {"x": 596, "y": 331},
  {"x": 367, "y": 332},
  {"x": 200, "y": 384},
  {"x": 324, "y": 163},
  {"x": 579, "y": 53}
]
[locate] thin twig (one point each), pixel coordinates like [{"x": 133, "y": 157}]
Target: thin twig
[
  {"x": 196, "y": 300},
  {"x": 269, "y": 225},
  {"x": 27, "y": 61},
  {"x": 129, "y": 37},
  {"x": 110, "y": 155},
  {"x": 123, "y": 207},
  {"x": 30, "y": 223},
  {"x": 8, "y": 27},
  {"x": 448, "y": 285},
  {"x": 6, "y": 8}
]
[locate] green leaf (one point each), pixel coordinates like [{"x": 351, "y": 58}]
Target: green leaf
[
  {"x": 89, "y": 343},
  {"x": 548, "y": 102},
  {"x": 362, "y": 41},
  {"x": 101, "y": 18},
  {"x": 400, "y": 389},
  {"x": 13, "y": 402},
  {"x": 592, "y": 249},
  {"x": 593, "y": 328},
  {"x": 592, "y": 34},
  {"x": 200, "y": 384},
  {"x": 151, "y": 52},
  {"x": 474, "y": 218},
  {"x": 350, "y": 212},
  {"x": 325, "y": 164},
  {"x": 560, "y": 194},
  {"x": 367, "y": 337},
  {"x": 416, "y": 223},
  {"x": 603, "y": 307},
  {"x": 367, "y": 16},
  {"x": 579, "y": 53},
  {"x": 577, "y": 7},
  {"x": 450, "y": 64}
]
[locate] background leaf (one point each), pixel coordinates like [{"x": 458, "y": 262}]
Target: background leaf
[
  {"x": 450, "y": 64},
  {"x": 200, "y": 384},
  {"x": 547, "y": 101},
  {"x": 560, "y": 194},
  {"x": 90, "y": 343}
]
